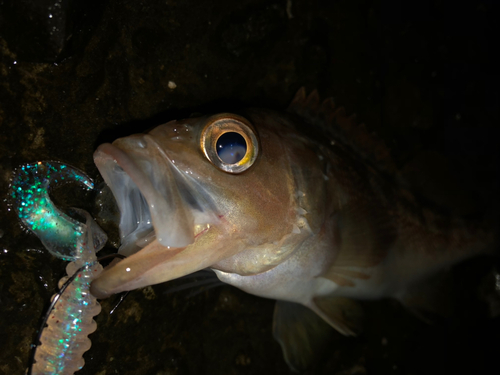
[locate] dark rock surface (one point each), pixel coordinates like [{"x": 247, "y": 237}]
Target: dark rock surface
[{"x": 423, "y": 76}]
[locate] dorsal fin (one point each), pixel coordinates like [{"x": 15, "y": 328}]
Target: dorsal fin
[{"x": 334, "y": 122}]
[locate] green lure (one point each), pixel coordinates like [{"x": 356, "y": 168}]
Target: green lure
[{"x": 29, "y": 192}]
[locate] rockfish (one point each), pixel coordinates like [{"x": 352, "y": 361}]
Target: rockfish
[{"x": 311, "y": 220}]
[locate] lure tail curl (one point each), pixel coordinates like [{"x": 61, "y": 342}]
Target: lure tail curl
[{"x": 29, "y": 196}]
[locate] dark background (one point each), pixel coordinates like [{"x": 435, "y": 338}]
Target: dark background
[{"x": 423, "y": 76}]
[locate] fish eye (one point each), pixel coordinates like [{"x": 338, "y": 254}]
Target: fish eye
[
  {"x": 231, "y": 147},
  {"x": 230, "y": 143}
]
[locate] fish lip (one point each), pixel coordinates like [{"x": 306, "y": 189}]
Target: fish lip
[{"x": 138, "y": 199}]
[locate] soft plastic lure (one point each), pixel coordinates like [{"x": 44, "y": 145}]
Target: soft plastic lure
[
  {"x": 29, "y": 192},
  {"x": 65, "y": 338}
]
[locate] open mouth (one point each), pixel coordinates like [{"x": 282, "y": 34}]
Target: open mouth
[{"x": 155, "y": 199}]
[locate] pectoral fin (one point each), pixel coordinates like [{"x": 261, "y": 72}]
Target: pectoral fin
[
  {"x": 301, "y": 333},
  {"x": 343, "y": 314}
]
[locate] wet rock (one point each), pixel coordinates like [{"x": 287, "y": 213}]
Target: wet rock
[{"x": 39, "y": 31}]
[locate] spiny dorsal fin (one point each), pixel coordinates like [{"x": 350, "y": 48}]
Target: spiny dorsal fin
[{"x": 334, "y": 122}]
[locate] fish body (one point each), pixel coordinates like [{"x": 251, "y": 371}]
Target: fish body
[{"x": 308, "y": 220}]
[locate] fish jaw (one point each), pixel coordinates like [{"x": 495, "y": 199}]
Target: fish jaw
[
  {"x": 151, "y": 195},
  {"x": 155, "y": 263}
]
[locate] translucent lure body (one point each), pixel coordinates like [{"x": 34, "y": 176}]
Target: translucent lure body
[{"x": 65, "y": 338}]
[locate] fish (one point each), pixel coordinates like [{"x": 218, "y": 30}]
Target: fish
[{"x": 316, "y": 220}]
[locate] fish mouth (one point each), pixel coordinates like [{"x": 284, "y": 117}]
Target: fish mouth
[
  {"x": 163, "y": 214},
  {"x": 157, "y": 202}
]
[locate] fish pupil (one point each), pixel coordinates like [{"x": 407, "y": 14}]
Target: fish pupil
[{"x": 231, "y": 147}]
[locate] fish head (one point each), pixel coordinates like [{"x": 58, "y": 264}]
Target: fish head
[{"x": 217, "y": 191}]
